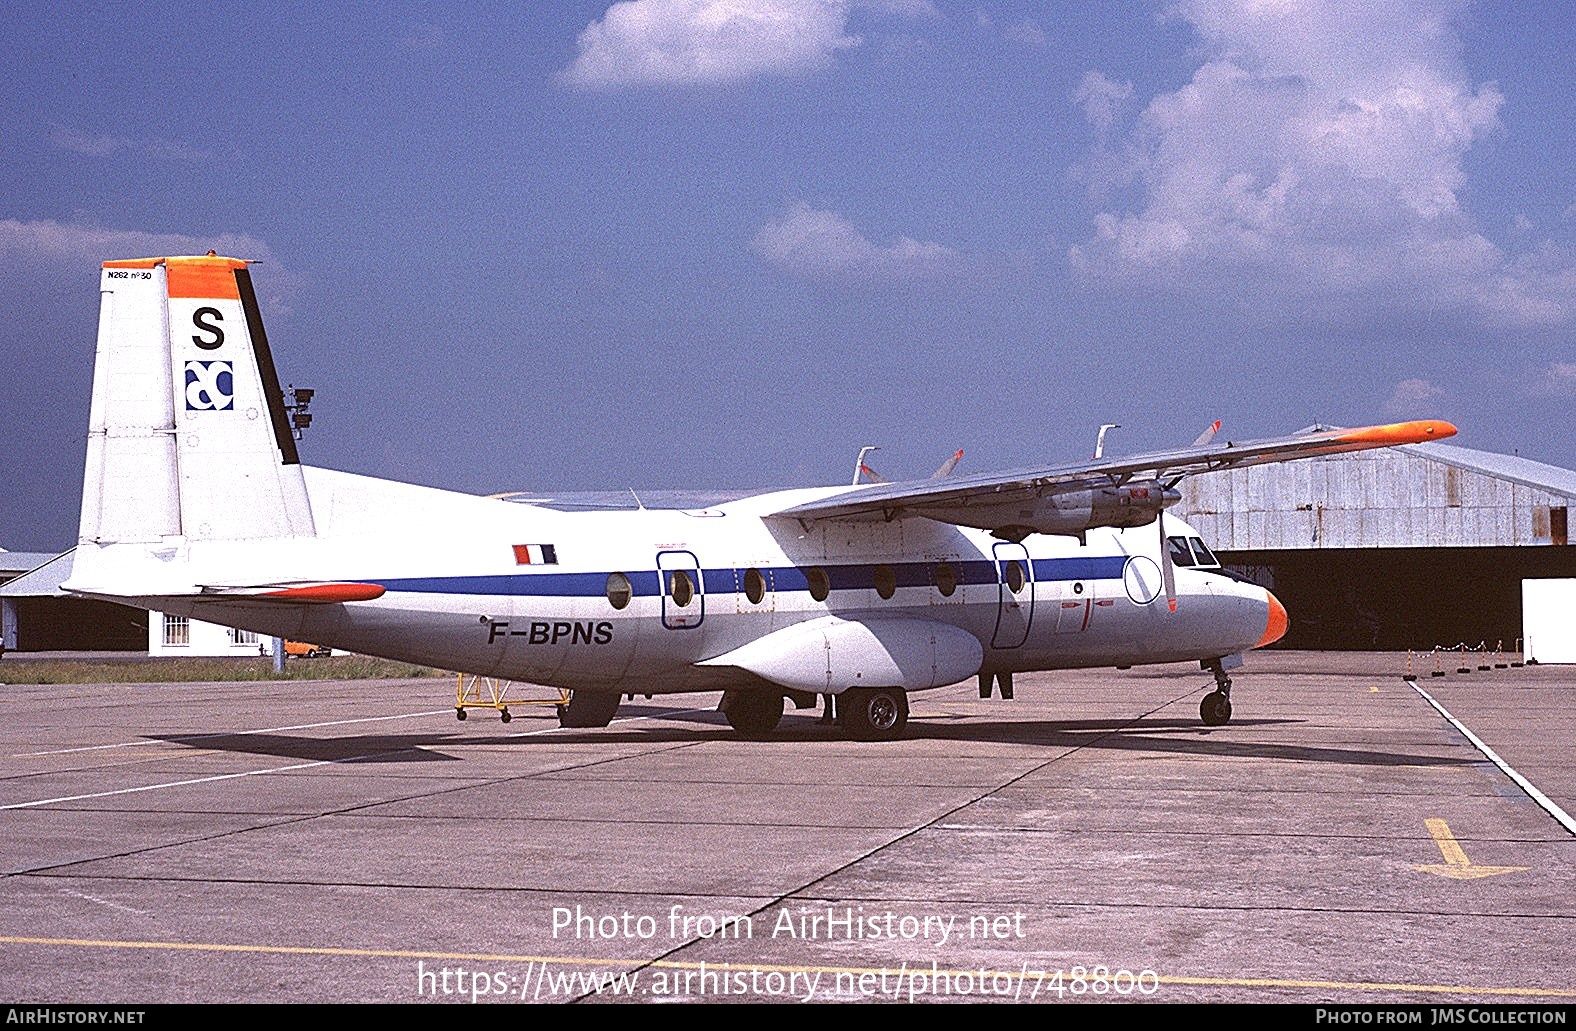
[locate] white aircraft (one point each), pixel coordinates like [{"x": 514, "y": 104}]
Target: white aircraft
[{"x": 195, "y": 502}]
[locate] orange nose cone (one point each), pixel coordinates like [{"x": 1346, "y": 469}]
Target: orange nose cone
[{"x": 1275, "y": 626}]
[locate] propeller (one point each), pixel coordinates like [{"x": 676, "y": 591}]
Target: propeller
[
  {"x": 947, "y": 466},
  {"x": 1168, "y": 575},
  {"x": 1208, "y": 434},
  {"x": 940, "y": 474}
]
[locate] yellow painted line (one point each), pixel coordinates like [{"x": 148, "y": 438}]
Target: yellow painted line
[
  {"x": 1229, "y": 982},
  {"x": 1370, "y": 986},
  {"x": 1448, "y": 846},
  {"x": 1457, "y": 865}
]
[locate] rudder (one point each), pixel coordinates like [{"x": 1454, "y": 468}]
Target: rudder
[{"x": 188, "y": 433}]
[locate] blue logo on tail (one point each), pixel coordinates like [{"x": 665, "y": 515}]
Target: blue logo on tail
[{"x": 210, "y": 386}]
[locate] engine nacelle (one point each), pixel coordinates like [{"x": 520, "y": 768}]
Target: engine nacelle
[{"x": 1067, "y": 512}]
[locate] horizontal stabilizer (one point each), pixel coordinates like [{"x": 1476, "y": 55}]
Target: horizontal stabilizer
[{"x": 300, "y": 593}]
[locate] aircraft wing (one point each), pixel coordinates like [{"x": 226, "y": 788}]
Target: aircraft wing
[{"x": 1068, "y": 498}]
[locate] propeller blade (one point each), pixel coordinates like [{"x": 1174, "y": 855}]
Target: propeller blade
[
  {"x": 1208, "y": 434},
  {"x": 870, "y": 474},
  {"x": 947, "y": 466},
  {"x": 1167, "y": 573}
]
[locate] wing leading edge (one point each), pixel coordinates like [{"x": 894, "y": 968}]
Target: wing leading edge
[{"x": 1127, "y": 491}]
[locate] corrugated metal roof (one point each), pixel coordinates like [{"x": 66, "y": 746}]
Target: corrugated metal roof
[
  {"x": 1537, "y": 475},
  {"x": 1550, "y": 478}
]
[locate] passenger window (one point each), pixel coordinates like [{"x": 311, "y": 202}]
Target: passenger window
[
  {"x": 820, "y": 584},
  {"x": 618, "y": 590},
  {"x": 754, "y": 586},
  {"x": 680, "y": 589},
  {"x": 886, "y": 581},
  {"x": 1013, "y": 577},
  {"x": 946, "y": 579}
]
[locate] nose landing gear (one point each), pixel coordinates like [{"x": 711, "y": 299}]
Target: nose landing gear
[{"x": 1215, "y": 709}]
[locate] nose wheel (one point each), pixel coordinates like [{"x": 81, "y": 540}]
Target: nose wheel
[{"x": 1215, "y": 708}]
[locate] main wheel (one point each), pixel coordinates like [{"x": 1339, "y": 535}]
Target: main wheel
[
  {"x": 588, "y": 709},
  {"x": 752, "y": 713},
  {"x": 1215, "y": 709},
  {"x": 873, "y": 713}
]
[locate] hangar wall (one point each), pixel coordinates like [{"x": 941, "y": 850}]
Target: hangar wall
[{"x": 1403, "y": 548}]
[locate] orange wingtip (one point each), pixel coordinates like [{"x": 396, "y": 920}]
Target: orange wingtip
[
  {"x": 205, "y": 276},
  {"x": 324, "y": 593},
  {"x": 1418, "y": 432}
]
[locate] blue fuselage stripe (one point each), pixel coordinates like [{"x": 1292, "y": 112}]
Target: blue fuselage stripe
[{"x": 645, "y": 583}]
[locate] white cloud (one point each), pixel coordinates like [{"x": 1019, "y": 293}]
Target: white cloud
[
  {"x": 1102, "y": 99},
  {"x": 1558, "y": 380},
  {"x": 72, "y": 243},
  {"x": 1414, "y": 397},
  {"x": 421, "y": 38},
  {"x": 1027, "y": 33},
  {"x": 642, "y": 42},
  {"x": 53, "y": 249},
  {"x": 824, "y": 245},
  {"x": 1316, "y": 153},
  {"x": 103, "y": 146}
]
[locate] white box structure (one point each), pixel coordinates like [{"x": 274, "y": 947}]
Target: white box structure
[{"x": 1548, "y": 619}]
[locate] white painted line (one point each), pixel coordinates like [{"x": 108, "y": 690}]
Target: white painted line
[
  {"x": 1537, "y": 796},
  {"x": 232, "y": 733},
  {"x": 278, "y": 769},
  {"x": 183, "y": 783},
  {"x": 105, "y": 902}
]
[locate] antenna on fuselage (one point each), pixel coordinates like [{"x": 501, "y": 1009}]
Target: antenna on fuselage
[{"x": 859, "y": 463}]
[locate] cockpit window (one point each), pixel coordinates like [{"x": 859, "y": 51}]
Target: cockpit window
[
  {"x": 1205, "y": 556},
  {"x": 1181, "y": 554}
]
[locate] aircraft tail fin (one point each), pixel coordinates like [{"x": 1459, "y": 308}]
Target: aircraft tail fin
[{"x": 188, "y": 436}]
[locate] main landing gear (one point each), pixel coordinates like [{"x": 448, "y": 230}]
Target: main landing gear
[
  {"x": 864, "y": 713},
  {"x": 873, "y": 713},
  {"x": 754, "y": 714},
  {"x": 586, "y": 709},
  {"x": 1215, "y": 709}
]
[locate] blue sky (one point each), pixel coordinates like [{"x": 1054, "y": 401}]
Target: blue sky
[{"x": 693, "y": 243}]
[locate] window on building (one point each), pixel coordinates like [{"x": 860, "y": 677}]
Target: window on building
[{"x": 177, "y": 631}]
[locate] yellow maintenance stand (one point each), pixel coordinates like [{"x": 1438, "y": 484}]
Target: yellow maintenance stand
[{"x": 477, "y": 692}]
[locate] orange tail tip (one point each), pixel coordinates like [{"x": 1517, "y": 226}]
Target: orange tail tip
[
  {"x": 1276, "y": 624},
  {"x": 205, "y": 277}
]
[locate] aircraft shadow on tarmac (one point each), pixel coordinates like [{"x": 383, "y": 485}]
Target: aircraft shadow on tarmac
[
  {"x": 362, "y": 748},
  {"x": 1173, "y": 736}
]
